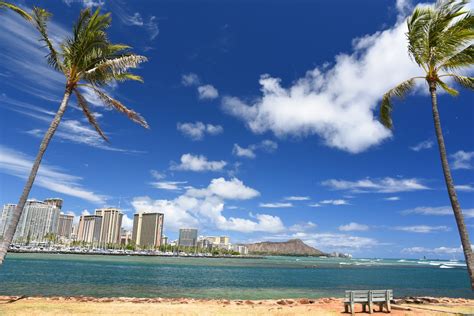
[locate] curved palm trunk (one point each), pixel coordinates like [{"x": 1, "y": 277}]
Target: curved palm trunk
[
  {"x": 463, "y": 234},
  {"x": 8, "y": 236}
]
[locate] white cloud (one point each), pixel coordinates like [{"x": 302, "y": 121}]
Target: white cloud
[
  {"x": 243, "y": 152},
  {"x": 335, "y": 202},
  {"x": 336, "y": 102},
  {"x": 49, "y": 177},
  {"x": 302, "y": 227},
  {"x": 385, "y": 185},
  {"x": 249, "y": 152},
  {"x": 314, "y": 205},
  {"x": 462, "y": 160},
  {"x": 437, "y": 211},
  {"x": 86, "y": 3},
  {"x": 438, "y": 250},
  {"x": 276, "y": 205},
  {"x": 422, "y": 229},
  {"x": 190, "y": 79},
  {"x": 353, "y": 227},
  {"x": 197, "y": 130},
  {"x": 136, "y": 19},
  {"x": 204, "y": 207},
  {"x": 392, "y": 198},
  {"x": 337, "y": 242},
  {"x": 157, "y": 175},
  {"x": 127, "y": 222},
  {"x": 168, "y": 185},
  {"x": 297, "y": 198},
  {"x": 426, "y": 144},
  {"x": 464, "y": 188},
  {"x": 198, "y": 163},
  {"x": 207, "y": 92}
]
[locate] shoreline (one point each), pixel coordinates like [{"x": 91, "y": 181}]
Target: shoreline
[{"x": 76, "y": 305}]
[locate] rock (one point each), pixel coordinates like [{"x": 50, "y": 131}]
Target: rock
[
  {"x": 303, "y": 301},
  {"x": 281, "y": 302}
]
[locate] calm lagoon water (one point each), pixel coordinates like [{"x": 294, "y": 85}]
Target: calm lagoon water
[{"x": 271, "y": 277}]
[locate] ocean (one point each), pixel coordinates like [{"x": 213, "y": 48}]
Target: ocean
[{"x": 226, "y": 278}]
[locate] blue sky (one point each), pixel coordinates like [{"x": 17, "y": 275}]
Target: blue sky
[{"x": 263, "y": 120}]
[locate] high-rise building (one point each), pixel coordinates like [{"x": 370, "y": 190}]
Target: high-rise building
[
  {"x": 111, "y": 224},
  {"x": 65, "y": 225},
  {"x": 147, "y": 229},
  {"x": 188, "y": 237},
  {"x": 89, "y": 228},
  {"x": 36, "y": 221},
  {"x": 55, "y": 202},
  {"x": 6, "y": 217}
]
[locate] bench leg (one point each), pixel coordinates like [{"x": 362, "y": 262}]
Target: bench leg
[
  {"x": 371, "y": 308},
  {"x": 352, "y": 308},
  {"x": 346, "y": 308},
  {"x": 381, "y": 307},
  {"x": 389, "y": 308},
  {"x": 364, "y": 307}
]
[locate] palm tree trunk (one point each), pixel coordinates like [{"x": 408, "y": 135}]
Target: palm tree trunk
[
  {"x": 10, "y": 232},
  {"x": 466, "y": 244}
]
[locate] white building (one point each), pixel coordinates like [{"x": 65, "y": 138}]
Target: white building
[
  {"x": 36, "y": 221},
  {"x": 6, "y": 217}
]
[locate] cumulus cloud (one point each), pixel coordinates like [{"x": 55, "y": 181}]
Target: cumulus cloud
[
  {"x": 353, "y": 227},
  {"x": 127, "y": 222},
  {"x": 276, "y": 205},
  {"x": 437, "y": 211},
  {"x": 335, "y": 202},
  {"x": 385, "y": 185},
  {"x": 52, "y": 178},
  {"x": 302, "y": 227},
  {"x": 314, "y": 205},
  {"x": 336, "y": 102},
  {"x": 422, "y": 229},
  {"x": 462, "y": 159},
  {"x": 190, "y": 79},
  {"x": 337, "y": 242},
  {"x": 426, "y": 144},
  {"x": 204, "y": 208},
  {"x": 197, "y": 131},
  {"x": 207, "y": 92},
  {"x": 168, "y": 185},
  {"x": 392, "y": 198},
  {"x": 250, "y": 151},
  {"x": 190, "y": 162},
  {"x": 86, "y": 3}
]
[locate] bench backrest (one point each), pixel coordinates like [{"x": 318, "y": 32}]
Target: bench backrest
[{"x": 363, "y": 295}]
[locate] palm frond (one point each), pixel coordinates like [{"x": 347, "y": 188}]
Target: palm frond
[
  {"x": 134, "y": 116},
  {"x": 385, "y": 115},
  {"x": 466, "y": 82},
  {"x": 465, "y": 58},
  {"x": 128, "y": 76},
  {"x": 119, "y": 64},
  {"x": 40, "y": 17},
  {"x": 16, "y": 9},
  {"x": 447, "y": 88},
  {"x": 87, "y": 112}
]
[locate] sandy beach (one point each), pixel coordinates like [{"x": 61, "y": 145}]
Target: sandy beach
[{"x": 31, "y": 306}]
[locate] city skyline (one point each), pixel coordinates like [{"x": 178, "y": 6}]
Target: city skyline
[{"x": 225, "y": 153}]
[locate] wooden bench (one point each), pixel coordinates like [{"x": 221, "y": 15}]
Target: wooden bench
[{"x": 368, "y": 298}]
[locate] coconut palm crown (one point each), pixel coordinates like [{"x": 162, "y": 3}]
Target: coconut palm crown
[
  {"x": 17, "y": 9},
  {"x": 88, "y": 59},
  {"x": 440, "y": 41}
]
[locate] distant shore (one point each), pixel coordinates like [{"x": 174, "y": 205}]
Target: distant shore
[
  {"x": 19, "y": 305},
  {"x": 138, "y": 254}
]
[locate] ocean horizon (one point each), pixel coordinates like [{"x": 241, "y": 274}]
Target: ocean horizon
[{"x": 227, "y": 278}]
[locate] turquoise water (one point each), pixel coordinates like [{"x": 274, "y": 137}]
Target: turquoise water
[{"x": 271, "y": 277}]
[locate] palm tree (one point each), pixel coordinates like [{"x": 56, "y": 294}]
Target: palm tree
[
  {"x": 17, "y": 9},
  {"x": 440, "y": 42},
  {"x": 87, "y": 59}
]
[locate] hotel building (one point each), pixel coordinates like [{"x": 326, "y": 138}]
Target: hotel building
[
  {"x": 188, "y": 237},
  {"x": 111, "y": 224},
  {"x": 65, "y": 225},
  {"x": 147, "y": 229},
  {"x": 89, "y": 228},
  {"x": 6, "y": 217},
  {"x": 37, "y": 220}
]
